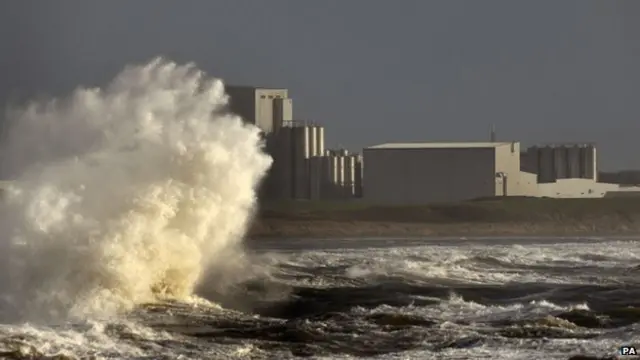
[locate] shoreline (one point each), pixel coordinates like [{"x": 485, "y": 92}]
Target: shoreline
[
  {"x": 331, "y": 228},
  {"x": 482, "y": 217}
]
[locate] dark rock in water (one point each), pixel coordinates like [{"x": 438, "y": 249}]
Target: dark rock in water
[{"x": 588, "y": 357}]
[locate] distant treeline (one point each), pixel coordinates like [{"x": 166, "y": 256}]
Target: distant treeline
[{"x": 625, "y": 177}]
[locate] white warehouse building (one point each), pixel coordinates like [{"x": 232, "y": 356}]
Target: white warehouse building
[{"x": 419, "y": 173}]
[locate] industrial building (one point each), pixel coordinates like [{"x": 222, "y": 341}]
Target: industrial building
[
  {"x": 302, "y": 168},
  {"x": 561, "y": 161},
  {"x": 409, "y": 173},
  {"x": 412, "y": 173},
  {"x": 569, "y": 171},
  {"x": 267, "y": 108},
  {"x": 566, "y": 171},
  {"x": 418, "y": 173}
]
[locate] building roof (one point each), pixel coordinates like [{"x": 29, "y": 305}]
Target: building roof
[
  {"x": 440, "y": 145},
  {"x": 254, "y": 88}
]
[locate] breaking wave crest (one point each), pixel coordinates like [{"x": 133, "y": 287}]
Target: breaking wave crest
[{"x": 123, "y": 194}]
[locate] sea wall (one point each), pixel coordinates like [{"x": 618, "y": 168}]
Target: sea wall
[{"x": 549, "y": 217}]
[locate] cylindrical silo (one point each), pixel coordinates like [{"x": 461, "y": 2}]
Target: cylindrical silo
[
  {"x": 333, "y": 168},
  {"x": 573, "y": 160},
  {"x": 301, "y": 140},
  {"x": 594, "y": 162},
  {"x": 358, "y": 177},
  {"x": 560, "y": 164},
  {"x": 546, "y": 168},
  {"x": 340, "y": 165},
  {"x": 327, "y": 173},
  {"x": 331, "y": 184},
  {"x": 320, "y": 140},
  {"x": 313, "y": 141},
  {"x": 283, "y": 162},
  {"x": 588, "y": 162},
  {"x": 315, "y": 177},
  {"x": 349, "y": 174},
  {"x": 300, "y": 166}
]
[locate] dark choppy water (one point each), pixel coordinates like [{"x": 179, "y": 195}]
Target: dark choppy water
[{"x": 384, "y": 299}]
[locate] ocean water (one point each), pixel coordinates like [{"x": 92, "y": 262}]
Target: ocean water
[
  {"x": 123, "y": 238},
  {"x": 477, "y": 298}
]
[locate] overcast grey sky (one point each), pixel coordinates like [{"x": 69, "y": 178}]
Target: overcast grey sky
[{"x": 371, "y": 70}]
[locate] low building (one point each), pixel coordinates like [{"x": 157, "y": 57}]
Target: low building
[{"x": 419, "y": 173}]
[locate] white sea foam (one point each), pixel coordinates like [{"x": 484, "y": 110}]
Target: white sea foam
[{"x": 124, "y": 193}]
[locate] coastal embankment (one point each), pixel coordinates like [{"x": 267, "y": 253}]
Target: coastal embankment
[{"x": 482, "y": 217}]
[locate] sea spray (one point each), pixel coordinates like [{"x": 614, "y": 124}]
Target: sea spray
[{"x": 123, "y": 194}]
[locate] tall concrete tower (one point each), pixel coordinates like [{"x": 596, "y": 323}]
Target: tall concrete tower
[{"x": 267, "y": 108}]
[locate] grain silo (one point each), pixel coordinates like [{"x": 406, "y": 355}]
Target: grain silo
[
  {"x": 300, "y": 165},
  {"x": 546, "y": 168},
  {"x": 573, "y": 160},
  {"x": 333, "y": 169},
  {"x": 312, "y": 139},
  {"x": 320, "y": 140},
  {"x": 589, "y": 167},
  {"x": 358, "y": 177},
  {"x": 560, "y": 163},
  {"x": 316, "y": 178},
  {"x": 341, "y": 173},
  {"x": 327, "y": 183},
  {"x": 283, "y": 163},
  {"x": 563, "y": 161},
  {"x": 350, "y": 174}
]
